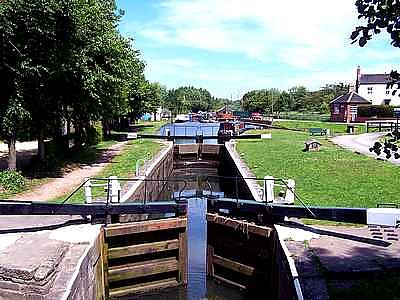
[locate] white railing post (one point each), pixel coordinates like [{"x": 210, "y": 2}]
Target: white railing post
[
  {"x": 269, "y": 188},
  {"x": 88, "y": 191},
  {"x": 114, "y": 189},
  {"x": 289, "y": 197},
  {"x": 138, "y": 165}
]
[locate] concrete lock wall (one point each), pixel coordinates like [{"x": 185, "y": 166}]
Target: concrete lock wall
[
  {"x": 229, "y": 165},
  {"x": 160, "y": 168},
  {"x": 234, "y": 166},
  {"x": 65, "y": 263},
  {"x": 88, "y": 280}
]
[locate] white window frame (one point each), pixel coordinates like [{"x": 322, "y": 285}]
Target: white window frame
[{"x": 336, "y": 109}]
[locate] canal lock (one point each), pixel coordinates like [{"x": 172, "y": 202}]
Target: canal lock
[{"x": 203, "y": 255}]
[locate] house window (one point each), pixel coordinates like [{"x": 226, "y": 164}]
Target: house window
[
  {"x": 386, "y": 101},
  {"x": 369, "y": 90},
  {"x": 335, "y": 108}
]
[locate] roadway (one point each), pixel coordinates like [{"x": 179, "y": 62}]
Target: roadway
[{"x": 361, "y": 143}]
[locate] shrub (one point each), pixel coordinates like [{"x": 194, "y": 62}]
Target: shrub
[
  {"x": 12, "y": 181},
  {"x": 94, "y": 134},
  {"x": 379, "y": 111}
]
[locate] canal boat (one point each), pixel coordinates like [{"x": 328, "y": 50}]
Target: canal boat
[
  {"x": 231, "y": 128},
  {"x": 182, "y": 118}
]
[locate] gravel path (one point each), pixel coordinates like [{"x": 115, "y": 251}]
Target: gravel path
[
  {"x": 60, "y": 186},
  {"x": 361, "y": 143}
]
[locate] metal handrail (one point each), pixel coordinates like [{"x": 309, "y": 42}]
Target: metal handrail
[{"x": 194, "y": 178}]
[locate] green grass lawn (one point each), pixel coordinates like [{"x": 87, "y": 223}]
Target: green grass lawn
[
  {"x": 122, "y": 166},
  {"x": 305, "y": 125},
  {"x": 331, "y": 177}
]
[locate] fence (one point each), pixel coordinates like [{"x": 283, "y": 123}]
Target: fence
[{"x": 305, "y": 117}]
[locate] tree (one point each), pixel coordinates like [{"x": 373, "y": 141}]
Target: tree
[
  {"x": 189, "y": 98},
  {"x": 13, "y": 118},
  {"x": 379, "y": 15},
  {"x": 64, "y": 60}
]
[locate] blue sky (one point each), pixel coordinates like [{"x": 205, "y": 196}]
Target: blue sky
[{"x": 232, "y": 46}]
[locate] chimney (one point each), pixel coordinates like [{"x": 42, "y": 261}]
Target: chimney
[{"x": 358, "y": 78}]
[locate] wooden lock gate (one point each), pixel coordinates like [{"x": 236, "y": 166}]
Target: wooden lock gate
[
  {"x": 145, "y": 256},
  {"x": 239, "y": 253}
]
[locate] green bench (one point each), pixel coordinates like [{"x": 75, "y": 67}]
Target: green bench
[{"x": 319, "y": 131}]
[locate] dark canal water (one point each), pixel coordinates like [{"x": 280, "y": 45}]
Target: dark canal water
[{"x": 199, "y": 286}]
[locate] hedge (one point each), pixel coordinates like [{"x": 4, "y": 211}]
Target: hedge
[{"x": 379, "y": 111}]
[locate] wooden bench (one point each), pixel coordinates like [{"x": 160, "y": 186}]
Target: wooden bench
[{"x": 319, "y": 131}]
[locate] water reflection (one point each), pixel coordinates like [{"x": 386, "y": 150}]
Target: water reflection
[
  {"x": 199, "y": 286},
  {"x": 191, "y": 129}
]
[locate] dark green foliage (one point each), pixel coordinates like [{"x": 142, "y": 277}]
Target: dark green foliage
[
  {"x": 11, "y": 181},
  {"x": 188, "y": 98},
  {"x": 378, "y": 111},
  {"x": 273, "y": 101},
  {"x": 389, "y": 147},
  {"x": 94, "y": 134},
  {"x": 379, "y": 15},
  {"x": 64, "y": 60}
]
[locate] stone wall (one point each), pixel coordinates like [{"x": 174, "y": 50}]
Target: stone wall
[
  {"x": 160, "y": 168},
  {"x": 87, "y": 282},
  {"x": 234, "y": 166},
  {"x": 65, "y": 263}
]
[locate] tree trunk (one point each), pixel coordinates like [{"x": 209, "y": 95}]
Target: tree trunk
[
  {"x": 12, "y": 154},
  {"x": 41, "y": 146},
  {"x": 104, "y": 124}
]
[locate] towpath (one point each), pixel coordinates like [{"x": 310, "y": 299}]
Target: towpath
[
  {"x": 361, "y": 143},
  {"x": 67, "y": 182}
]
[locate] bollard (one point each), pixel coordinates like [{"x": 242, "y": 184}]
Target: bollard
[
  {"x": 269, "y": 188},
  {"x": 88, "y": 191},
  {"x": 114, "y": 189},
  {"x": 289, "y": 197}
]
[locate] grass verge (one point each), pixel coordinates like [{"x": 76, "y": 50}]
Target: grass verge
[
  {"x": 122, "y": 166},
  {"x": 331, "y": 177},
  {"x": 305, "y": 125}
]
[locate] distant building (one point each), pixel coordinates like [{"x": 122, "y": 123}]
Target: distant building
[
  {"x": 344, "y": 108},
  {"x": 373, "y": 87}
]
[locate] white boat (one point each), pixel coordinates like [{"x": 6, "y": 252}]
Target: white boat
[{"x": 181, "y": 119}]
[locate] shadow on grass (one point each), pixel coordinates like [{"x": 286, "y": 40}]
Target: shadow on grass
[{"x": 58, "y": 165}]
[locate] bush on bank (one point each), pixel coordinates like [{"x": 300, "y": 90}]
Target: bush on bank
[{"x": 11, "y": 181}]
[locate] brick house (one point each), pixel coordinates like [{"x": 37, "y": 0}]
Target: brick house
[{"x": 344, "y": 108}]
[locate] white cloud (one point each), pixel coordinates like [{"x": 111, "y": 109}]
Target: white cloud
[
  {"x": 289, "y": 43},
  {"x": 297, "y": 33}
]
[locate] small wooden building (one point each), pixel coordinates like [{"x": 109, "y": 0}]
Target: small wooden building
[{"x": 344, "y": 108}]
